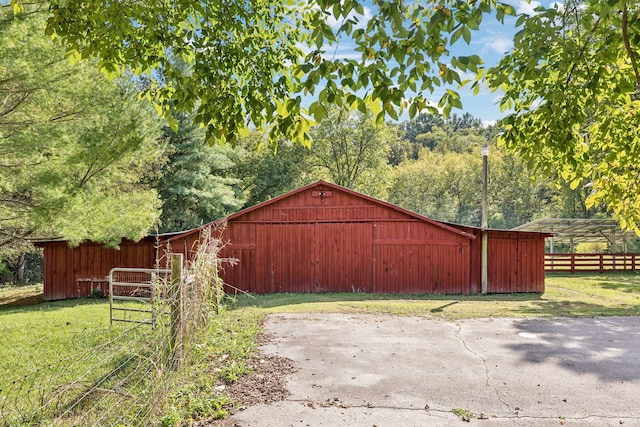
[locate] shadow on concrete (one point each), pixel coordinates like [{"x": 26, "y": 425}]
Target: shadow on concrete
[{"x": 608, "y": 348}]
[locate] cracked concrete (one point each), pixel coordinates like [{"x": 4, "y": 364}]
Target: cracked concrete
[
  {"x": 365, "y": 370},
  {"x": 487, "y": 371}
]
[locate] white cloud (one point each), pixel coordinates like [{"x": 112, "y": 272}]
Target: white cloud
[
  {"x": 559, "y": 5},
  {"x": 466, "y": 75},
  {"x": 500, "y": 45},
  {"x": 527, "y": 7},
  {"x": 340, "y": 50},
  {"x": 487, "y": 123},
  {"x": 343, "y": 52},
  {"x": 363, "y": 19}
]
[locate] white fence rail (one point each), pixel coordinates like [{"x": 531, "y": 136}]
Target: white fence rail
[{"x": 134, "y": 285}]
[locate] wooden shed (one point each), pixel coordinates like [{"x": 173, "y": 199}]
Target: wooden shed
[
  {"x": 515, "y": 260},
  {"x": 74, "y": 272},
  {"x": 324, "y": 238}
]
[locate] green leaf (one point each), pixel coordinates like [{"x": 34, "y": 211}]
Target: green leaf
[
  {"x": 413, "y": 110},
  {"x": 18, "y": 8},
  {"x": 575, "y": 183},
  {"x": 319, "y": 112},
  {"x": 456, "y": 35},
  {"x": 173, "y": 123},
  {"x": 390, "y": 110},
  {"x": 466, "y": 34}
]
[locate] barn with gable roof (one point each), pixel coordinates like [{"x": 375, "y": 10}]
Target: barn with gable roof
[{"x": 323, "y": 238}]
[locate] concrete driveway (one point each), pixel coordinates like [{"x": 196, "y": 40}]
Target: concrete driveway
[{"x": 372, "y": 370}]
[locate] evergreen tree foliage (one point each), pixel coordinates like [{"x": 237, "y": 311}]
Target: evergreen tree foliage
[
  {"x": 194, "y": 184},
  {"x": 74, "y": 147}
]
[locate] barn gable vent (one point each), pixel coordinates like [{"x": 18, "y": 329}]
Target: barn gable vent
[{"x": 323, "y": 194}]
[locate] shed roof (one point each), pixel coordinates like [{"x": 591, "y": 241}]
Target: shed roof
[
  {"x": 335, "y": 187},
  {"x": 579, "y": 229},
  {"x": 59, "y": 240}
]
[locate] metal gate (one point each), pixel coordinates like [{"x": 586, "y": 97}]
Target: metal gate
[{"x": 128, "y": 286}]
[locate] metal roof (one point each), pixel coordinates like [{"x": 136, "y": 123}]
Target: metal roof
[{"x": 580, "y": 230}]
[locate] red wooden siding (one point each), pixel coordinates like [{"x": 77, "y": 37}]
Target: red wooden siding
[
  {"x": 516, "y": 263},
  {"x": 414, "y": 257},
  {"x": 307, "y": 257},
  {"x": 325, "y": 238},
  {"x": 284, "y": 258},
  {"x": 76, "y": 272},
  {"x": 343, "y": 259}
]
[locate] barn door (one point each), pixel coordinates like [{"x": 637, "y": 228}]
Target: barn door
[
  {"x": 502, "y": 269},
  {"x": 284, "y": 258},
  {"x": 344, "y": 257},
  {"x": 530, "y": 265}
]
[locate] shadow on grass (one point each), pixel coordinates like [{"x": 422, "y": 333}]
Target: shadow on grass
[
  {"x": 621, "y": 286},
  {"x": 568, "y": 308},
  {"x": 35, "y": 303},
  {"x": 22, "y": 301},
  {"x": 442, "y": 307},
  {"x": 279, "y": 300}
]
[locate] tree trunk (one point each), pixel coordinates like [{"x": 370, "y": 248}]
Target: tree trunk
[{"x": 20, "y": 267}]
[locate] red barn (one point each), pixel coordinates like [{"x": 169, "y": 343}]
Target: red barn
[{"x": 326, "y": 238}]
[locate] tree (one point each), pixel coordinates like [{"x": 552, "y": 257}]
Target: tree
[
  {"x": 453, "y": 134},
  {"x": 565, "y": 202},
  {"x": 421, "y": 124},
  {"x": 440, "y": 186},
  {"x": 572, "y": 83},
  {"x": 446, "y": 184},
  {"x": 467, "y": 121},
  {"x": 446, "y": 139},
  {"x": 516, "y": 196},
  {"x": 253, "y": 61},
  {"x": 73, "y": 147},
  {"x": 400, "y": 149},
  {"x": 194, "y": 184},
  {"x": 572, "y": 78},
  {"x": 352, "y": 151},
  {"x": 264, "y": 173}
]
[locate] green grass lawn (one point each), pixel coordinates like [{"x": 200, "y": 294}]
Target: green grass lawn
[
  {"x": 65, "y": 348},
  {"x": 566, "y": 295},
  {"x": 53, "y": 351},
  {"x": 45, "y": 342}
]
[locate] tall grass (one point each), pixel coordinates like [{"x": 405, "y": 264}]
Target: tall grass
[{"x": 69, "y": 367}]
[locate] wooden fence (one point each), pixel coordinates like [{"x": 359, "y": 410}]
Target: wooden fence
[{"x": 578, "y": 263}]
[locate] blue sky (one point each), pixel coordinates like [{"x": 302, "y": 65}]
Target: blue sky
[{"x": 490, "y": 43}]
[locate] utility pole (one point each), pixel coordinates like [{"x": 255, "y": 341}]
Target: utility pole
[{"x": 485, "y": 237}]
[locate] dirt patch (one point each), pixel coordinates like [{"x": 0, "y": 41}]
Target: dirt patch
[{"x": 265, "y": 384}]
